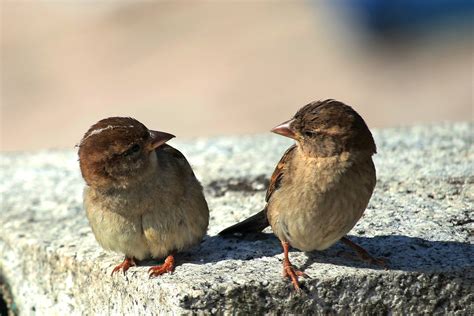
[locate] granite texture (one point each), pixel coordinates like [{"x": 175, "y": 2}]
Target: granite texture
[{"x": 420, "y": 218}]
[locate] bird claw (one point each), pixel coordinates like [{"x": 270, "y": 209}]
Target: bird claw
[
  {"x": 166, "y": 267},
  {"x": 290, "y": 272},
  {"x": 364, "y": 255},
  {"x": 383, "y": 263},
  {"x": 303, "y": 274},
  {"x": 159, "y": 270},
  {"x": 124, "y": 266},
  {"x": 367, "y": 258}
]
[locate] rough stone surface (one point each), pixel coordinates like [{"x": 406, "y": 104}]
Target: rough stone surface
[{"x": 420, "y": 218}]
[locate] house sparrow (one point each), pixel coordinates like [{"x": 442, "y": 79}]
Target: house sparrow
[
  {"x": 142, "y": 198},
  {"x": 322, "y": 184}
]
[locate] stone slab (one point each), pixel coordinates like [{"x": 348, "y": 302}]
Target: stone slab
[{"x": 420, "y": 218}]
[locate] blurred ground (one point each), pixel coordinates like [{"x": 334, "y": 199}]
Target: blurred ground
[{"x": 211, "y": 68}]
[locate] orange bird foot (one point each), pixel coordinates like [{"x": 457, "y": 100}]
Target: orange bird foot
[
  {"x": 166, "y": 267},
  {"x": 364, "y": 255},
  {"x": 124, "y": 266},
  {"x": 290, "y": 272},
  {"x": 375, "y": 261},
  {"x": 288, "y": 269}
]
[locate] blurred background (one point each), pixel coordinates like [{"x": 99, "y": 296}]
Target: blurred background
[{"x": 204, "y": 68}]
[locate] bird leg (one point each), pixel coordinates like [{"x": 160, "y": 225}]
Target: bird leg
[
  {"x": 125, "y": 265},
  {"x": 168, "y": 266},
  {"x": 288, "y": 269},
  {"x": 363, "y": 254}
]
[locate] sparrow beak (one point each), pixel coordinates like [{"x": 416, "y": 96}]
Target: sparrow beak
[
  {"x": 158, "y": 139},
  {"x": 285, "y": 129}
]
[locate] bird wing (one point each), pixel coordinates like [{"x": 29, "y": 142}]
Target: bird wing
[
  {"x": 180, "y": 217},
  {"x": 258, "y": 222},
  {"x": 181, "y": 163},
  {"x": 173, "y": 152},
  {"x": 277, "y": 176}
]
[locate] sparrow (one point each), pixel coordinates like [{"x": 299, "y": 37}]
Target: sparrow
[
  {"x": 141, "y": 197},
  {"x": 322, "y": 184}
]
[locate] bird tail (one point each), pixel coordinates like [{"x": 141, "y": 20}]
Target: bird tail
[{"x": 254, "y": 224}]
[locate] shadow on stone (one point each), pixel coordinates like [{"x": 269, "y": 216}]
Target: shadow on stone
[
  {"x": 3, "y": 306},
  {"x": 216, "y": 248},
  {"x": 5, "y": 297},
  {"x": 402, "y": 252}
]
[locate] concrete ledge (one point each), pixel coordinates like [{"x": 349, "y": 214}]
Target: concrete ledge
[{"x": 420, "y": 218}]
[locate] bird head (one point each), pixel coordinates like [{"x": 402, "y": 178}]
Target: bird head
[
  {"x": 116, "y": 150},
  {"x": 328, "y": 128}
]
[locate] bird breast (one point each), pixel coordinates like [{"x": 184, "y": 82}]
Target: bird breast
[
  {"x": 149, "y": 219},
  {"x": 321, "y": 199}
]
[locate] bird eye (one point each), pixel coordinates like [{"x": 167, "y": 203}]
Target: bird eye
[
  {"x": 132, "y": 150},
  {"x": 309, "y": 133}
]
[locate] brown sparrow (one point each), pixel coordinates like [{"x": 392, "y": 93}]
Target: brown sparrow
[
  {"x": 142, "y": 198},
  {"x": 322, "y": 184}
]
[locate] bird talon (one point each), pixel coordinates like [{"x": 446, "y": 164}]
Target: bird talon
[
  {"x": 302, "y": 274},
  {"x": 124, "y": 266},
  {"x": 290, "y": 272},
  {"x": 380, "y": 262},
  {"x": 167, "y": 267},
  {"x": 159, "y": 270},
  {"x": 364, "y": 255},
  {"x": 288, "y": 269},
  {"x": 117, "y": 268}
]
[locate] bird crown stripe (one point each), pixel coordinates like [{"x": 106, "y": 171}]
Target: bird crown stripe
[{"x": 100, "y": 130}]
